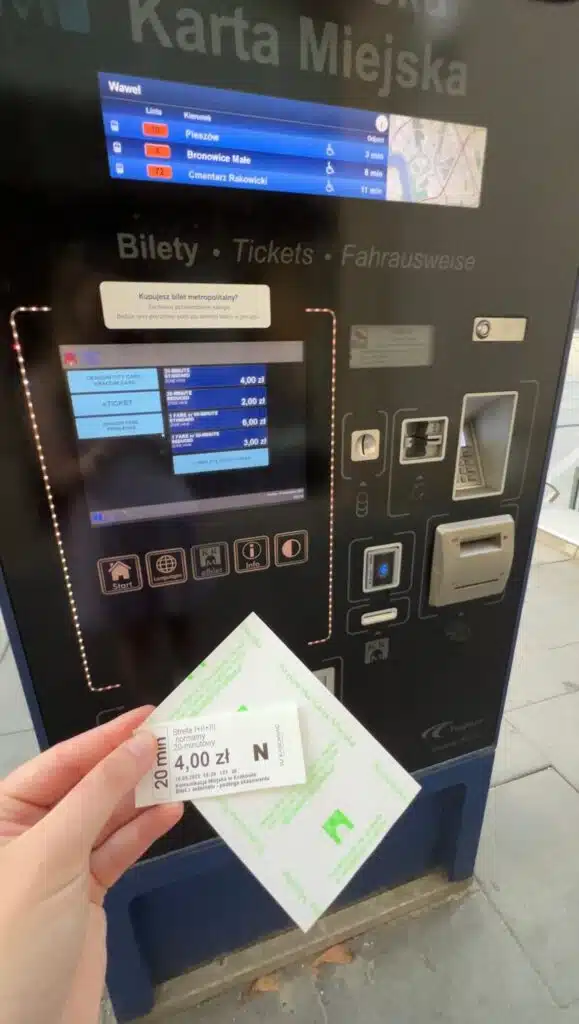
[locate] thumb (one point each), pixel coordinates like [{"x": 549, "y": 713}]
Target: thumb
[{"x": 77, "y": 821}]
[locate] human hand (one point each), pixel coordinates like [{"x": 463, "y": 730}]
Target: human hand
[{"x": 68, "y": 831}]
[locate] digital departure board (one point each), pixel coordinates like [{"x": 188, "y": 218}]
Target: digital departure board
[{"x": 195, "y": 135}]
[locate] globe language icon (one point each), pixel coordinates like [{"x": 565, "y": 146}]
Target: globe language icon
[{"x": 166, "y": 564}]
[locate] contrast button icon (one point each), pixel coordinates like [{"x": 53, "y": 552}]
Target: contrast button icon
[{"x": 291, "y": 548}]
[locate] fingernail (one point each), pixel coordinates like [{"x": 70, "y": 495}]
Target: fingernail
[{"x": 141, "y": 743}]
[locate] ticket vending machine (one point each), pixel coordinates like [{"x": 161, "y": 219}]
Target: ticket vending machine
[{"x": 286, "y": 294}]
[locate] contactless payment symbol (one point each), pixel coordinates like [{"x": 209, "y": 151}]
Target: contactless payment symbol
[
  {"x": 120, "y": 574},
  {"x": 210, "y": 560},
  {"x": 166, "y": 568},
  {"x": 251, "y": 554},
  {"x": 291, "y": 548}
]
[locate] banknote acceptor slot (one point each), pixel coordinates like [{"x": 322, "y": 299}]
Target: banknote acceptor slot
[
  {"x": 471, "y": 559},
  {"x": 482, "y": 457}
]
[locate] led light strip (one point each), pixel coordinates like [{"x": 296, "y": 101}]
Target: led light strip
[
  {"x": 49, "y": 496},
  {"x": 330, "y": 312}
]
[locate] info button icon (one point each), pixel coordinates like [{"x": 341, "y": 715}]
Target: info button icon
[{"x": 251, "y": 554}]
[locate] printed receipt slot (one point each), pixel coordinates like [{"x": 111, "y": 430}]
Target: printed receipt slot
[
  {"x": 280, "y": 350},
  {"x": 472, "y": 559}
]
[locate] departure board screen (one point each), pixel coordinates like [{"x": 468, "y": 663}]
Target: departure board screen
[{"x": 167, "y": 132}]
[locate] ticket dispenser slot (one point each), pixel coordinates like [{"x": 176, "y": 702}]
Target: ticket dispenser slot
[
  {"x": 482, "y": 458},
  {"x": 471, "y": 559}
]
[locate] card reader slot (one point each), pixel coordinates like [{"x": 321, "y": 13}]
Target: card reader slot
[
  {"x": 378, "y": 617},
  {"x": 480, "y": 545}
]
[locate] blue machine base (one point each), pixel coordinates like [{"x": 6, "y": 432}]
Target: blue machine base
[{"x": 175, "y": 912}]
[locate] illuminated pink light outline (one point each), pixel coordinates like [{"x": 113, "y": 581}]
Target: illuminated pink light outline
[
  {"x": 49, "y": 497},
  {"x": 330, "y": 312}
]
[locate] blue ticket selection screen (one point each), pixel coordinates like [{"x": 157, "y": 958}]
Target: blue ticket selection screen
[{"x": 193, "y": 433}]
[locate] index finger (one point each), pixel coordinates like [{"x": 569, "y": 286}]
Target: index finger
[{"x": 51, "y": 775}]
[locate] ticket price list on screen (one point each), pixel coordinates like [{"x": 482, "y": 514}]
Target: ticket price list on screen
[
  {"x": 218, "y": 417},
  {"x": 171, "y": 132}
]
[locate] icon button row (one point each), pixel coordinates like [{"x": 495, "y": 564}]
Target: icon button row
[
  {"x": 121, "y": 574},
  {"x": 252, "y": 554}
]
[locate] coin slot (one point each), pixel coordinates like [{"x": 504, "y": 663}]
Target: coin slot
[{"x": 365, "y": 445}]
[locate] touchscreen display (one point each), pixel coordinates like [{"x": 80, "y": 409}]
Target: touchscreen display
[
  {"x": 194, "y": 135},
  {"x": 172, "y": 429}
]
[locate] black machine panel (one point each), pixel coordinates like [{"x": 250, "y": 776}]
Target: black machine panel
[{"x": 385, "y": 197}]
